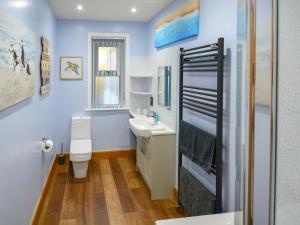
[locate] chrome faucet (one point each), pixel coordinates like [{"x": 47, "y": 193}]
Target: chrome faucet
[{"x": 153, "y": 114}]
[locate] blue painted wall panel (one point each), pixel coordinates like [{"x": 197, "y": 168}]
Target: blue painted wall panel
[
  {"x": 72, "y": 40},
  {"x": 24, "y": 167}
]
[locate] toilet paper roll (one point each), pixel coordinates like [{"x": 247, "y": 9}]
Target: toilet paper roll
[{"x": 47, "y": 145}]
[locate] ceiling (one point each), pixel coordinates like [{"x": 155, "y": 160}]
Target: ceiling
[{"x": 109, "y": 10}]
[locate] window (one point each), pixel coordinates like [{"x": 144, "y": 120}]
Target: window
[
  {"x": 108, "y": 73},
  {"x": 107, "y": 58}
]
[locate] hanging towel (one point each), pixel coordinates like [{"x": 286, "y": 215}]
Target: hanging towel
[
  {"x": 187, "y": 133},
  {"x": 197, "y": 145}
]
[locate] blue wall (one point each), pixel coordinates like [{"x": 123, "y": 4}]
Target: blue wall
[
  {"x": 110, "y": 129},
  {"x": 217, "y": 19},
  {"x": 22, "y": 126}
]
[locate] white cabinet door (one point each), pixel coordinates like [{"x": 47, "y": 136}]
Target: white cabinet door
[
  {"x": 140, "y": 158},
  {"x": 148, "y": 163}
]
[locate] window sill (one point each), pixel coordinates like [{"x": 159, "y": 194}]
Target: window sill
[{"x": 106, "y": 109}]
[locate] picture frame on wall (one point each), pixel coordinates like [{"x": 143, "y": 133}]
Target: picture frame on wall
[
  {"x": 71, "y": 68},
  {"x": 181, "y": 24},
  {"x": 45, "y": 66},
  {"x": 17, "y": 61}
]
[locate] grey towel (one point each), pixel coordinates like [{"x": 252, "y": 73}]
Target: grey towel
[
  {"x": 194, "y": 197},
  {"x": 197, "y": 145}
]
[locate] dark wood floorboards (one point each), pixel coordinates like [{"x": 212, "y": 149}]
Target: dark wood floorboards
[{"x": 113, "y": 193}]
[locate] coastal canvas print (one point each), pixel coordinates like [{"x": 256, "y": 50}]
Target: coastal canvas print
[
  {"x": 181, "y": 24},
  {"x": 71, "y": 68},
  {"x": 17, "y": 61}
]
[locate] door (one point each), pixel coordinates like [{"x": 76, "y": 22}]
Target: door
[{"x": 257, "y": 99}]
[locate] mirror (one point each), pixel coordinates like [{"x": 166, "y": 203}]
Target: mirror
[{"x": 164, "y": 86}]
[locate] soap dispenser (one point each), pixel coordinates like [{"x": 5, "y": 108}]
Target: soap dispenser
[{"x": 157, "y": 117}]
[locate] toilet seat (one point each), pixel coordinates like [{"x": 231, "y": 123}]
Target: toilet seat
[{"x": 80, "y": 150}]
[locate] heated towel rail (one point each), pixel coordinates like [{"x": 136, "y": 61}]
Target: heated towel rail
[{"x": 207, "y": 59}]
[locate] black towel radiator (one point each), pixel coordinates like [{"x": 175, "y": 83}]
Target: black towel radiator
[{"x": 206, "y": 101}]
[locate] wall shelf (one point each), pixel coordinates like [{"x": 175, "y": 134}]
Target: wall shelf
[
  {"x": 140, "y": 88},
  {"x": 141, "y": 76},
  {"x": 141, "y": 93}
]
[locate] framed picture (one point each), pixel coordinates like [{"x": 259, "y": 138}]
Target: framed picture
[
  {"x": 17, "y": 61},
  {"x": 45, "y": 66},
  {"x": 71, "y": 68},
  {"x": 181, "y": 24}
]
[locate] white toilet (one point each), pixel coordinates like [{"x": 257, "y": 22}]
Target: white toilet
[{"x": 81, "y": 145}]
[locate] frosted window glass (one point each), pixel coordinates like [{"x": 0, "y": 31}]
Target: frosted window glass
[
  {"x": 107, "y": 58},
  {"x": 108, "y": 91}
]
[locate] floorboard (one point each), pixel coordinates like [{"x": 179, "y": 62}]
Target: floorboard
[{"x": 113, "y": 193}]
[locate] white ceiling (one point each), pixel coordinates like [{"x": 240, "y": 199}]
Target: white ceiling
[{"x": 109, "y": 10}]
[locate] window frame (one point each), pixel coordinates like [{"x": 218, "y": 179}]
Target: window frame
[
  {"x": 118, "y": 72},
  {"x": 95, "y": 36}
]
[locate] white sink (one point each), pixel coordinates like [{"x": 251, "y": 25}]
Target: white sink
[{"x": 143, "y": 127}]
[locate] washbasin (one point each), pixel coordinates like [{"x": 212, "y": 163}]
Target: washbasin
[{"x": 143, "y": 127}]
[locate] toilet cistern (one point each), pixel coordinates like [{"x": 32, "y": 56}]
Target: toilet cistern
[{"x": 81, "y": 145}]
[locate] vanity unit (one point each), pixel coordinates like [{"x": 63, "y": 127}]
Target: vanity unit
[
  {"x": 156, "y": 148},
  {"x": 156, "y": 142}
]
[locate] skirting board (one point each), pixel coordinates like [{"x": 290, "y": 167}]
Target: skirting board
[
  {"x": 95, "y": 155},
  {"x": 113, "y": 153},
  {"x": 175, "y": 194},
  {"x": 42, "y": 198},
  {"x": 107, "y": 154}
]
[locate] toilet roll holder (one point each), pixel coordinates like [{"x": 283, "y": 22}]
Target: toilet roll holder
[{"x": 46, "y": 146}]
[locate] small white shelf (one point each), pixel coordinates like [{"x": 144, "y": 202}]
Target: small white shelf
[
  {"x": 141, "y": 76},
  {"x": 105, "y": 109},
  {"x": 141, "y": 93}
]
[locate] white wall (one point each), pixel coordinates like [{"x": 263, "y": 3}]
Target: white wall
[
  {"x": 140, "y": 67},
  {"x": 166, "y": 58},
  {"x": 288, "y": 149}
]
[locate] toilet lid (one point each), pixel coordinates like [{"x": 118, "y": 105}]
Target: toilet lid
[{"x": 81, "y": 147}]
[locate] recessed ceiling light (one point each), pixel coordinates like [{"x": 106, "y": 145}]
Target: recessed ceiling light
[
  {"x": 79, "y": 7},
  {"x": 133, "y": 10},
  {"x": 18, "y": 3}
]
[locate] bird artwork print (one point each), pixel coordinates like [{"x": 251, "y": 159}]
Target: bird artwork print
[{"x": 73, "y": 67}]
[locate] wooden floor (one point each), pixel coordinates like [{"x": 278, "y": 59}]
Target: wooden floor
[{"x": 113, "y": 193}]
